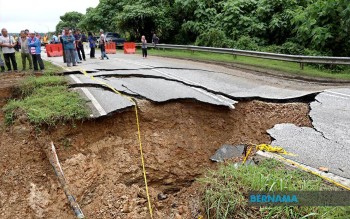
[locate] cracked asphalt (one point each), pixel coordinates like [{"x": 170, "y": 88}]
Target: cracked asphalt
[
  {"x": 327, "y": 144},
  {"x": 163, "y": 79}
]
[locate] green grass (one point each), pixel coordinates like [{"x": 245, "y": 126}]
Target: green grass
[
  {"x": 225, "y": 192},
  {"x": 32, "y": 83},
  {"x": 48, "y": 105},
  {"x": 49, "y": 67},
  {"x": 280, "y": 66},
  {"x": 45, "y": 99}
]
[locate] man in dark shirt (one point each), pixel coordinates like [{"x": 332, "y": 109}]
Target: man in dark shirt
[{"x": 80, "y": 46}]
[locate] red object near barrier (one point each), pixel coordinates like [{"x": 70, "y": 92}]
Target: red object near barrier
[
  {"x": 54, "y": 50},
  {"x": 111, "y": 48},
  {"x": 129, "y": 48}
]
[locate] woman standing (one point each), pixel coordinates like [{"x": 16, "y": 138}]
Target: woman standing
[
  {"x": 144, "y": 46},
  {"x": 92, "y": 45}
]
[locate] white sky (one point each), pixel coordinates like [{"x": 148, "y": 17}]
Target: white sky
[{"x": 38, "y": 15}]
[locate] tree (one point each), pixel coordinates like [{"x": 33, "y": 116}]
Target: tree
[
  {"x": 286, "y": 26},
  {"x": 102, "y": 16},
  {"x": 143, "y": 18},
  {"x": 69, "y": 20},
  {"x": 324, "y": 26}
]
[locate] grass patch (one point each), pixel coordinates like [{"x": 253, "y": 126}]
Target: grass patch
[
  {"x": 32, "y": 83},
  {"x": 45, "y": 99},
  {"x": 281, "y": 66},
  {"x": 48, "y": 105},
  {"x": 226, "y": 190}
]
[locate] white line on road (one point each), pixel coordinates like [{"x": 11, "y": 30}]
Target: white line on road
[
  {"x": 89, "y": 95},
  {"x": 337, "y": 93},
  {"x": 336, "y": 96},
  {"x": 223, "y": 99}
]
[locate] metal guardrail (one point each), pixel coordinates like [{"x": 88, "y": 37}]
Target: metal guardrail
[{"x": 265, "y": 55}]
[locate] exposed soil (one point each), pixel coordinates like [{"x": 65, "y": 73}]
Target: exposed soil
[
  {"x": 8, "y": 83},
  {"x": 101, "y": 159}
]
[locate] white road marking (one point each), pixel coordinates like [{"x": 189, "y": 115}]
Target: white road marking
[
  {"x": 337, "y": 93},
  {"x": 336, "y": 96},
  {"x": 224, "y": 100},
  {"x": 89, "y": 95}
]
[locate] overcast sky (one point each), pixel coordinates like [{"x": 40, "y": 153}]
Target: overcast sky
[{"x": 38, "y": 15}]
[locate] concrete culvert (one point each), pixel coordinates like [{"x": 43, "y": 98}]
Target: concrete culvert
[{"x": 101, "y": 159}]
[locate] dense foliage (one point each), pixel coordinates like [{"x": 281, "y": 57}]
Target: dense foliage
[{"x": 311, "y": 27}]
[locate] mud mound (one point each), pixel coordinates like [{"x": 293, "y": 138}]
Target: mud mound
[{"x": 101, "y": 160}]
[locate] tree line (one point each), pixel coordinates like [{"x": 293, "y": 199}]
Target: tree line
[{"x": 308, "y": 27}]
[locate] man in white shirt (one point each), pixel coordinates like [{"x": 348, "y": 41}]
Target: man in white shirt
[{"x": 8, "y": 43}]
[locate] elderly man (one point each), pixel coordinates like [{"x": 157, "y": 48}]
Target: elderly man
[
  {"x": 35, "y": 49},
  {"x": 69, "y": 47},
  {"x": 25, "y": 52},
  {"x": 8, "y": 43}
]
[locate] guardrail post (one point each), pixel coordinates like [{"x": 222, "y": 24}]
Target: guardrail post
[{"x": 302, "y": 65}]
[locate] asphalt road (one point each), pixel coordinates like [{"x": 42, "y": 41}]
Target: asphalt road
[{"x": 163, "y": 79}]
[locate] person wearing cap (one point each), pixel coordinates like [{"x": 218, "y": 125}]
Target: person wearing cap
[
  {"x": 35, "y": 49},
  {"x": 8, "y": 43}
]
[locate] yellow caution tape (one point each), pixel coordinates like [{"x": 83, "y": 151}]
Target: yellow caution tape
[
  {"x": 280, "y": 150},
  {"x": 273, "y": 149},
  {"x": 138, "y": 133},
  {"x": 268, "y": 148}
]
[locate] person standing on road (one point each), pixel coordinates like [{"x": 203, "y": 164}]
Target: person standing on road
[
  {"x": 61, "y": 40},
  {"x": 25, "y": 51},
  {"x": 144, "y": 47},
  {"x": 92, "y": 45},
  {"x": 7, "y": 43},
  {"x": 54, "y": 39},
  {"x": 76, "y": 56},
  {"x": 69, "y": 47},
  {"x": 102, "y": 45},
  {"x": 45, "y": 39},
  {"x": 35, "y": 50},
  {"x": 80, "y": 46}
]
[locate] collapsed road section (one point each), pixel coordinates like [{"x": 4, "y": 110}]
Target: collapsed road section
[
  {"x": 101, "y": 162},
  {"x": 163, "y": 84},
  {"x": 185, "y": 116}
]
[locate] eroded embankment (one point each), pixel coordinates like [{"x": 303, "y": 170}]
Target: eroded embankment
[{"x": 101, "y": 158}]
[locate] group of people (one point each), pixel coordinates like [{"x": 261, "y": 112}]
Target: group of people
[
  {"x": 29, "y": 46},
  {"x": 73, "y": 47},
  {"x": 155, "y": 41}
]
